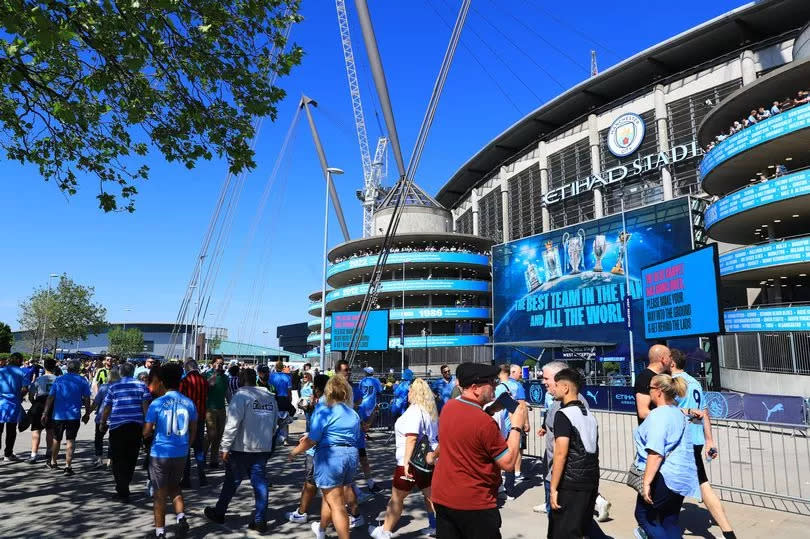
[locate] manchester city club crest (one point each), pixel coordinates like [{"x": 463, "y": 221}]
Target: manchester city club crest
[
  {"x": 716, "y": 404},
  {"x": 625, "y": 134}
]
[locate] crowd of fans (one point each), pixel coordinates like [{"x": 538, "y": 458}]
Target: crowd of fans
[
  {"x": 458, "y": 440},
  {"x": 427, "y": 248},
  {"x": 759, "y": 114}
]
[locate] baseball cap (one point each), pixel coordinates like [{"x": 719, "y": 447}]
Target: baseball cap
[
  {"x": 369, "y": 370},
  {"x": 468, "y": 374}
]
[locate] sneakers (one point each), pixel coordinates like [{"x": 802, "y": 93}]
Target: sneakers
[
  {"x": 356, "y": 522},
  {"x": 295, "y": 516},
  {"x": 316, "y": 529},
  {"x": 518, "y": 478},
  {"x": 602, "y": 507},
  {"x": 182, "y": 528},
  {"x": 12, "y": 458},
  {"x": 98, "y": 464},
  {"x": 32, "y": 460},
  {"x": 373, "y": 486},
  {"x": 260, "y": 527},
  {"x": 211, "y": 514},
  {"x": 69, "y": 471},
  {"x": 539, "y": 508},
  {"x": 428, "y": 532},
  {"x": 377, "y": 532},
  {"x": 154, "y": 535},
  {"x": 638, "y": 533},
  {"x": 51, "y": 465},
  {"x": 150, "y": 490}
]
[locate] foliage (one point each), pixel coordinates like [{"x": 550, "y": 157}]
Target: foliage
[
  {"x": 529, "y": 363},
  {"x": 611, "y": 366},
  {"x": 6, "y": 338},
  {"x": 125, "y": 343},
  {"x": 213, "y": 343},
  {"x": 65, "y": 313},
  {"x": 88, "y": 86}
]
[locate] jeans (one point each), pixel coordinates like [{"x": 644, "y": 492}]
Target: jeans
[
  {"x": 198, "y": 444},
  {"x": 125, "y": 444},
  {"x": 98, "y": 442},
  {"x": 458, "y": 524},
  {"x": 241, "y": 466},
  {"x": 11, "y": 437},
  {"x": 660, "y": 520}
]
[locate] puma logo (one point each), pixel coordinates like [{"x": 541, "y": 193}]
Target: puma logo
[
  {"x": 591, "y": 395},
  {"x": 776, "y": 408}
]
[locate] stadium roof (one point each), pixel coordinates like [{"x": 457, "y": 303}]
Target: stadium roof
[
  {"x": 230, "y": 349},
  {"x": 730, "y": 32},
  {"x": 414, "y": 196}
]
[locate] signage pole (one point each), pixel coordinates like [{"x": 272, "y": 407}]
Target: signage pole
[
  {"x": 402, "y": 326},
  {"x": 714, "y": 355},
  {"x": 323, "y": 282},
  {"x": 628, "y": 305}
]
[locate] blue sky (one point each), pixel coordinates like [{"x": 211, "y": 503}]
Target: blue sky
[{"x": 140, "y": 263}]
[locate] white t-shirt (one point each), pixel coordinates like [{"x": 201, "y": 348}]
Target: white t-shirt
[
  {"x": 42, "y": 385},
  {"x": 414, "y": 421}
]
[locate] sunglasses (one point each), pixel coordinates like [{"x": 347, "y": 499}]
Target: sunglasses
[{"x": 653, "y": 387}]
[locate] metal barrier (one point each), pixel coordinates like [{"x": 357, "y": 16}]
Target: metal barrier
[{"x": 761, "y": 464}]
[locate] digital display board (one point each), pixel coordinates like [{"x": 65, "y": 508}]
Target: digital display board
[
  {"x": 768, "y": 319},
  {"x": 434, "y": 341},
  {"x": 760, "y": 133},
  {"x": 569, "y": 284},
  {"x": 761, "y": 194},
  {"x": 438, "y": 257},
  {"x": 766, "y": 255},
  {"x": 452, "y": 285},
  {"x": 681, "y": 296},
  {"x": 439, "y": 313},
  {"x": 374, "y": 336}
]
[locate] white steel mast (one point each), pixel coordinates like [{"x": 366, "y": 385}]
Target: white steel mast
[{"x": 371, "y": 179}]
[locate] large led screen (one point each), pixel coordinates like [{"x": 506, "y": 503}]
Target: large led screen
[
  {"x": 681, "y": 296},
  {"x": 569, "y": 284},
  {"x": 375, "y": 334},
  {"x": 795, "y": 318}
]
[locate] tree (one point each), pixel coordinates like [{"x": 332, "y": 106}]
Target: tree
[
  {"x": 88, "y": 86},
  {"x": 6, "y": 338},
  {"x": 125, "y": 343},
  {"x": 529, "y": 363},
  {"x": 64, "y": 313}
]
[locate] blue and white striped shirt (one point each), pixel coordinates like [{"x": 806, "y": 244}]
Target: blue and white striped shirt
[{"x": 126, "y": 398}]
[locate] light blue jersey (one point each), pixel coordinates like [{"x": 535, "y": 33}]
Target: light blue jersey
[
  {"x": 694, "y": 399},
  {"x": 370, "y": 387},
  {"x": 336, "y": 425},
  {"x": 172, "y": 415}
]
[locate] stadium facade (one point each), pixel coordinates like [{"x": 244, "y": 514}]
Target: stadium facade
[{"x": 636, "y": 135}]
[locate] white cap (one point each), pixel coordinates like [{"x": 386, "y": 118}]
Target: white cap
[{"x": 369, "y": 370}]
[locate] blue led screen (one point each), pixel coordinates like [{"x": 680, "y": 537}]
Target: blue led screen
[
  {"x": 375, "y": 334},
  {"x": 568, "y": 284},
  {"x": 459, "y": 285},
  {"x": 681, "y": 296},
  {"x": 768, "y": 319},
  {"x": 766, "y": 255},
  {"x": 778, "y": 189},
  {"x": 434, "y": 341},
  {"x": 411, "y": 257},
  {"x": 760, "y": 133}
]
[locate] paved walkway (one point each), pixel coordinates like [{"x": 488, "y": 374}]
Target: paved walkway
[{"x": 36, "y": 502}]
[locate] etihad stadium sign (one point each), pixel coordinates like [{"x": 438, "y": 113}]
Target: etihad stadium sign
[{"x": 639, "y": 165}]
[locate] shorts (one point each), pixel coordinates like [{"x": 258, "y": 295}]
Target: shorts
[
  {"x": 421, "y": 480},
  {"x": 309, "y": 470},
  {"x": 67, "y": 428},
  {"x": 166, "y": 472},
  {"x": 335, "y": 466},
  {"x": 35, "y": 415},
  {"x": 701, "y": 469}
]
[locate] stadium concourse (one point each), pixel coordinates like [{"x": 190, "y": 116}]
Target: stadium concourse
[{"x": 38, "y": 502}]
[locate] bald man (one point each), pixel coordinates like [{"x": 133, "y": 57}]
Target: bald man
[{"x": 660, "y": 362}]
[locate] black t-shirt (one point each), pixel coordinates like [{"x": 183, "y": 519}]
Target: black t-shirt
[
  {"x": 563, "y": 428},
  {"x": 643, "y": 386}
]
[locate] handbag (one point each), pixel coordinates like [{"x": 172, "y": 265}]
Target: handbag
[
  {"x": 635, "y": 475},
  {"x": 24, "y": 421},
  {"x": 420, "y": 451}
]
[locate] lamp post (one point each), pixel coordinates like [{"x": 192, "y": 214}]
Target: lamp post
[
  {"x": 402, "y": 324},
  {"x": 329, "y": 172},
  {"x": 45, "y": 320},
  {"x": 126, "y": 310},
  {"x": 425, "y": 333}
]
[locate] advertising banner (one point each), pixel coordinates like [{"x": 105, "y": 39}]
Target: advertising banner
[
  {"x": 435, "y": 341},
  {"x": 428, "y": 257},
  {"x": 768, "y": 319},
  {"x": 598, "y": 397},
  {"x": 774, "y": 408},
  {"x": 722, "y": 405},
  {"x": 622, "y": 399},
  {"x": 681, "y": 296},
  {"x": 375, "y": 334},
  {"x": 570, "y": 284},
  {"x": 766, "y": 255},
  {"x": 460, "y": 285},
  {"x": 535, "y": 392}
]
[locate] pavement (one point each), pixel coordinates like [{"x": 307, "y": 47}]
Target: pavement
[{"x": 38, "y": 502}]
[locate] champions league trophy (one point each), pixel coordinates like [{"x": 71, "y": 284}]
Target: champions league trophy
[
  {"x": 599, "y": 249},
  {"x": 532, "y": 281},
  {"x": 574, "y": 246},
  {"x": 624, "y": 237},
  {"x": 551, "y": 262}
]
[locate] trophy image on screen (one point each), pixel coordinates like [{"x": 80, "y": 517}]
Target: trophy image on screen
[
  {"x": 624, "y": 237},
  {"x": 551, "y": 262},
  {"x": 574, "y": 246},
  {"x": 599, "y": 250},
  {"x": 532, "y": 280}
]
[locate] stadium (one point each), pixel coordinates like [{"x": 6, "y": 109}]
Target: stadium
[{"x": 653, "y": 139}]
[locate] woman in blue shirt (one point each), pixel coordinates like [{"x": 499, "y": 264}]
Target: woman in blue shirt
[
  {"x": 664, "y": 451},
  {"x": 334, "y": 431}
]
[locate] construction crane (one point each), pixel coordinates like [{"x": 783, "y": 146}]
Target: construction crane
[
  {"x": 372, "y": 171},
  {"x": 594, "y": 67}
]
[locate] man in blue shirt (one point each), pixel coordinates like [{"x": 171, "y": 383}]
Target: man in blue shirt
[
  {"x": 124, "y": 408},
  {"x": 172, "y": 419},
  {"x": 12, "y": 386},
  {"x": 443, "y": 387},
  {"x": 68, "y": 393}
]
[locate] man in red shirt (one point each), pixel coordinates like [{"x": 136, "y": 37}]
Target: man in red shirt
[
  {"x": 472, "y": 454},
  {"x": 195, "y": 387}
]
